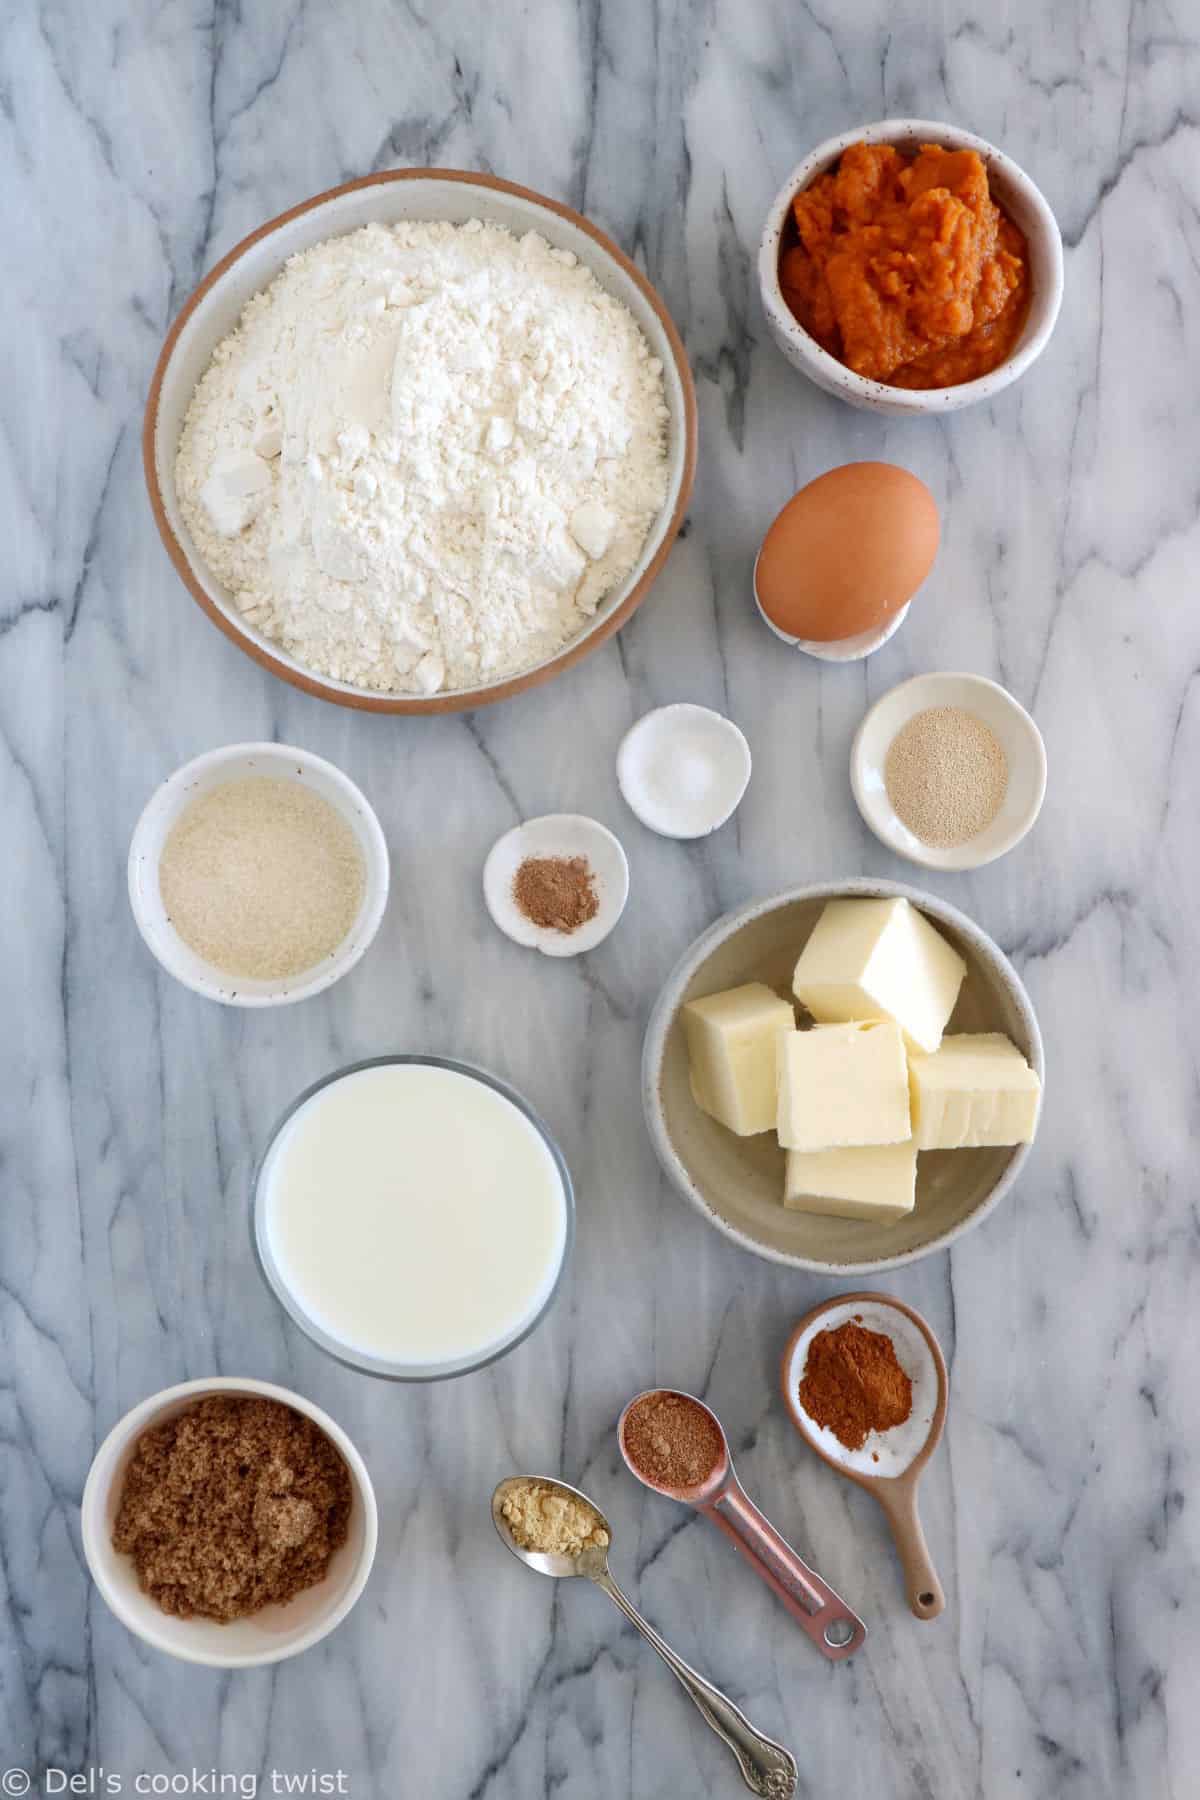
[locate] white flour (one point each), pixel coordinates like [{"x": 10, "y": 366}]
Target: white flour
[{"x": 426, "y": 454}]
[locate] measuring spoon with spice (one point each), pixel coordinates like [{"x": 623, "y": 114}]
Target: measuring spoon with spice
[
  {"x": 557, "y": 884},
  {"x": 675, "y": 1446},
  {"x": 556, "y": 1530},
  {"x": 864, "y": 1381}
]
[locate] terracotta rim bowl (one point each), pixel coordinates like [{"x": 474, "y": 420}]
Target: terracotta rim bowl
[
  {"x": 395, "y": 194},
  {"x": 736, "y": 1184}
]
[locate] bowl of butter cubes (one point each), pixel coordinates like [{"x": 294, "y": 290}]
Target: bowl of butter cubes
[{"x": 843, "y": 1077}]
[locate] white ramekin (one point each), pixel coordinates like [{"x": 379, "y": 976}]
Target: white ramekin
[
  {"x": 1019, "y": 737},
  {"x": 277, "y": 762},
  {"x": 276, "y": 1632},
  {"x": 1022, "y": 201}
]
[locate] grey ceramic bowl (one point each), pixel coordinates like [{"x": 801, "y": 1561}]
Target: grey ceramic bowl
[{"x": 736, "y": 1183}]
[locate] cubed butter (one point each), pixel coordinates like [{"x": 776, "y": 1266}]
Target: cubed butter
[
  {"x": 878, "y": 1182},
  {"x": 976, "y": 1090},
  {"x": 732, "y": 1041},
  {"x": 880, "y": 959},
  {"x": 842, "y": 1085}
]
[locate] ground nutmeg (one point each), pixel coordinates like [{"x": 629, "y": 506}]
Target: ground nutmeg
[
  {"x": 671, "y": 1440},
  {"x": 853, "y": 1383},
  {"x": 557, "y": 893}
]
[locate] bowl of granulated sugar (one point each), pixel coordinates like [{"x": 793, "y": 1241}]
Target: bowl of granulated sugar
[
  {"x": 258, "y": 875},
  {"x": 948, "y": 770}
]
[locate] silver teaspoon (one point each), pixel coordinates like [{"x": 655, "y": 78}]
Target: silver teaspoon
[{"x": 767, "y": 1768}]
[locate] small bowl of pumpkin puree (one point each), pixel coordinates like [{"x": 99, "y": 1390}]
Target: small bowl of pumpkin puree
[{"x": 910, "y": 267}]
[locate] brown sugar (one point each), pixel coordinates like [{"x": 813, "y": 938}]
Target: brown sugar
[
  {"x": 556, "y": 892},
  {"x": 672, "y": 1441},
  {"x": 233, "y": 1505},
  {"x": 853, "y": 1383}
]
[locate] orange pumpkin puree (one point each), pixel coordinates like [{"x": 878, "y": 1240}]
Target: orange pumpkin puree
[{"x": 905, "y": 269}]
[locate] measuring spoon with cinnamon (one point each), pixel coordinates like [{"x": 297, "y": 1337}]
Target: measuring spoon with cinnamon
[
  {"x": 888, "y": 1463},
  {"x": 675, "y": 1445}
]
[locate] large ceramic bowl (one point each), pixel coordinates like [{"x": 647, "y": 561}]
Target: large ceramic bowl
[
  {"x": 213, "y": 312},
  {"x": 1020, "y": 198},
  {"x": 736, "y": 1183}
]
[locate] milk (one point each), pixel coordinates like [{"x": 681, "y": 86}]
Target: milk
[{"x": 414, "y": 1215}]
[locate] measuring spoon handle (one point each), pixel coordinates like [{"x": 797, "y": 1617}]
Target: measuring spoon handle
[
  {"x": 823, "y": 1615},
  {"x": 767, "y": 1768},
  {"x": 923, "y": 1590}
]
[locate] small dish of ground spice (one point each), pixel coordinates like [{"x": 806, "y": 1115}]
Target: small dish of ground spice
[
  {"x": 865, "y": 1383},
  {"x": 860, "y": 1380},
  {"x": 557, "y": 884},
  {"x": 948, "y": 770},
  {"x": 229, "y": 1523}
]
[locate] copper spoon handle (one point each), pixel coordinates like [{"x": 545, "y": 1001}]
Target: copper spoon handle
[
  {"x": 922, "y": 1588},
  {"x": 822, "y": 1614}
]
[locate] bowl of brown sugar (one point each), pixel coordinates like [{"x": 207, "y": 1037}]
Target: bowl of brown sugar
[{"x": 229, "y": 1522}]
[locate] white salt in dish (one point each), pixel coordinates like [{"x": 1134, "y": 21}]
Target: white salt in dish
[
  {"x": 413, "y": 1216},
  {"x": 683, "y": 770}
]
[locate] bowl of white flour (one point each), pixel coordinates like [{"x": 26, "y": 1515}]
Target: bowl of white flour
[{"x": 421, "y": 442}]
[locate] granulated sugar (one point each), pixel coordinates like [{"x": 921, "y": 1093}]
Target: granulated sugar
[
  {"x": 262, "y": 878},
  {"x": 946, "y": 775}
]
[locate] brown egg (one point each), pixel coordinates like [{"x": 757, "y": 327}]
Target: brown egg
[{"x": 847, "y": 552}]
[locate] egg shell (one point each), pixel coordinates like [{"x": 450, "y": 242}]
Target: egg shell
[{"x": 847, "y": 552}]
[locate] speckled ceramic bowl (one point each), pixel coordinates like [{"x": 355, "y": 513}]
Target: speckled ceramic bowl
[
  {"x": 1022, "y": 201},
  {"x": 736, "y": 1184}
]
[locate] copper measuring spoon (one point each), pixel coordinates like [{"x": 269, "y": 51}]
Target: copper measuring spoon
[
  {"x": 821, "y": 1614},
  {"x": 890, "y": 1463}
]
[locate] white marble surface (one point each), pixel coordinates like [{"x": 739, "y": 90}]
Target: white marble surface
[{"x": 139, "y": 142}]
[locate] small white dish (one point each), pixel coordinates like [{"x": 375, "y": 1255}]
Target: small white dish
[
  {"x": 1025, "y": 205},
  {"x": 281, "y": 762},
  {"x": 683, "y": 770},
  {"x": 276, "y": 1632},
  {"x": 835, "y": 650},
  {"x": 1019, "y": 736},
  {"x": 557, "y": 834}
]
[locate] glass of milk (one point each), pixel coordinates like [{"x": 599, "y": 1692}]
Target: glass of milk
[{"x": 413, "y": 1216}]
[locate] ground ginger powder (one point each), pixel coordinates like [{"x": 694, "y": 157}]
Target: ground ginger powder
[{"x": 551, "y": 1522}]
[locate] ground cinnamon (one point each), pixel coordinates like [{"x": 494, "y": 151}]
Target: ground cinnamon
[
  {"x": 556, "y": 892},
  {"x": 853, "y": 1383},
  {"x": 671, "y": 1440}
]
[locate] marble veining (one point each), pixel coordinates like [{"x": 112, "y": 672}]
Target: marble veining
[{"x": 140, "y": 141}]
